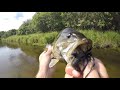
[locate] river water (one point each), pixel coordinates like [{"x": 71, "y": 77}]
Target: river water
[{"x": 21, "y": 61}]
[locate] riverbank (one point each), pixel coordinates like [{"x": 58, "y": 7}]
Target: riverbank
[
  {"x": 38, "y": 39},
  {"x": 100, "y": 40}
]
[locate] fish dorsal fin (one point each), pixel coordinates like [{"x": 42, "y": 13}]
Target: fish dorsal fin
[{"x": 53, "y": 62}]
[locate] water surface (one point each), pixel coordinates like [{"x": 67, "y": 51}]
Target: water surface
[{"x": 21, "y": 61}]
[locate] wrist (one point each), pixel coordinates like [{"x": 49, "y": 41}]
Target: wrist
[{"x": 41, "y": 74}]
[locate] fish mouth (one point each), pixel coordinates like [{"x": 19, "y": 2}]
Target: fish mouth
[
  {"x": 72, "y": 50},
  {"x": 75, "y": 51},
  {"x": 80, "y": 47},
  {"x": 80, "y": 53}
]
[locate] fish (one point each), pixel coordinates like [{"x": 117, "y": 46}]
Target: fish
[{"x": 71, "y": 47}]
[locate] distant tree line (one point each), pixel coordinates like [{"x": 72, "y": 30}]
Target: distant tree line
[{"x": 56, "y": 21}]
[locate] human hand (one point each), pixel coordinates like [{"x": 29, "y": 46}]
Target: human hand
[
  {"x": 71, "y": 72},
  {"x": 91, "y": 71},
  {"x": 44, "y": 60}
]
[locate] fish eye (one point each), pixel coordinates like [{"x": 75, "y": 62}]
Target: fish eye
[{"x": 68, "y": 36}]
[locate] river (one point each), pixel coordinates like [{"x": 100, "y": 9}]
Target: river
[{"x": 21, "y": 61}]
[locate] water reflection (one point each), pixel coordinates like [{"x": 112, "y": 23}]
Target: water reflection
[
  {"x": 21, "y": 61},
  {"x": 14, "y": 63}
]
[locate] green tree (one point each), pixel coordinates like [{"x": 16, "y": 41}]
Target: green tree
[
  {"x": 2, "y": 33},
  {"x": 24, "y": 29}
]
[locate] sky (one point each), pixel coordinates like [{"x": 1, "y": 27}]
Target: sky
[{"x": 13, "y": 20}]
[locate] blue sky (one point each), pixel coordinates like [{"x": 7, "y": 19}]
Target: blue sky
[
  {"x": 13, "y": 20},
  {"x": 18, "y": 15}
]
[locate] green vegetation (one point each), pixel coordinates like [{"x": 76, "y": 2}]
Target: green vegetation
[
  {"x": 100, "y": 39},
  {"x": 0, "y": 40},
  {"x": 103, "y": 39},
  {"x": 102, "y": 27},
  {"x": 56, "y": 21},
  {"x": 33, "y": 39}
]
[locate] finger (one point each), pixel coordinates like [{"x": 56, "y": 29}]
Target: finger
[
  {"x": 68, "y": 76},
  {"x": 49, "y": 50},
  {"x": 40, "y": 56},
  {"x": 69, "y": 69},
  {"x": 76, "y": 74}
]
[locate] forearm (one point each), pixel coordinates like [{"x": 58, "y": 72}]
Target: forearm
[
  {"x": 44, "y": 73},
  {"x": 40, "y": 74}
]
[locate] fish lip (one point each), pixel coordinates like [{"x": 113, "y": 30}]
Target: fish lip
[
  {"x": 79, "y": 45},
  {"x": 76, "y": 51},
  {"x": 79, "y": 53}
]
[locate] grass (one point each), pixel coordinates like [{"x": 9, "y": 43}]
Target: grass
[
  {"x": 100, "y": 39},
  {"x": 38, "y": 39},
  {"x": 103, "y": 40}
]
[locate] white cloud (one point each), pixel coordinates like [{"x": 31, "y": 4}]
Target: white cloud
[{"x": 11, "y": 20}]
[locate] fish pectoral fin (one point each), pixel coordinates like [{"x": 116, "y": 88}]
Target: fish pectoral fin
[{"x": 53, "y": 62}]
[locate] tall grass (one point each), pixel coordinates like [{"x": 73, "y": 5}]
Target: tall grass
[
  {"x": 33, "y": 39},
  {"x": 100, "y": 39},
  {"x": 103, "y": 39}
]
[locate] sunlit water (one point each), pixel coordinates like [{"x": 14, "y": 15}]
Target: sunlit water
[{"x": 21, "y": 61}]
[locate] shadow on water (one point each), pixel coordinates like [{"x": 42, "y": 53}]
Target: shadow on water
[{"x": 24, "y": 61}]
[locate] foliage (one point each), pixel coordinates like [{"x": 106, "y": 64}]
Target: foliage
[
  {"x": 56, "y": 21},
  {"x": 100, "y": 39},
  {"x": 42, "y": 27},
  {"x": 33, "y": 39}
]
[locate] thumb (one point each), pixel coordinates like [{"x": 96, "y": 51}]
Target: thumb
[
  {"x": 49, "y": 49},
  {"x": 72, "y": 72}
]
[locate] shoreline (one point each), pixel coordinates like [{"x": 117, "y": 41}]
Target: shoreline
[{"x": 107, "y": 39}]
